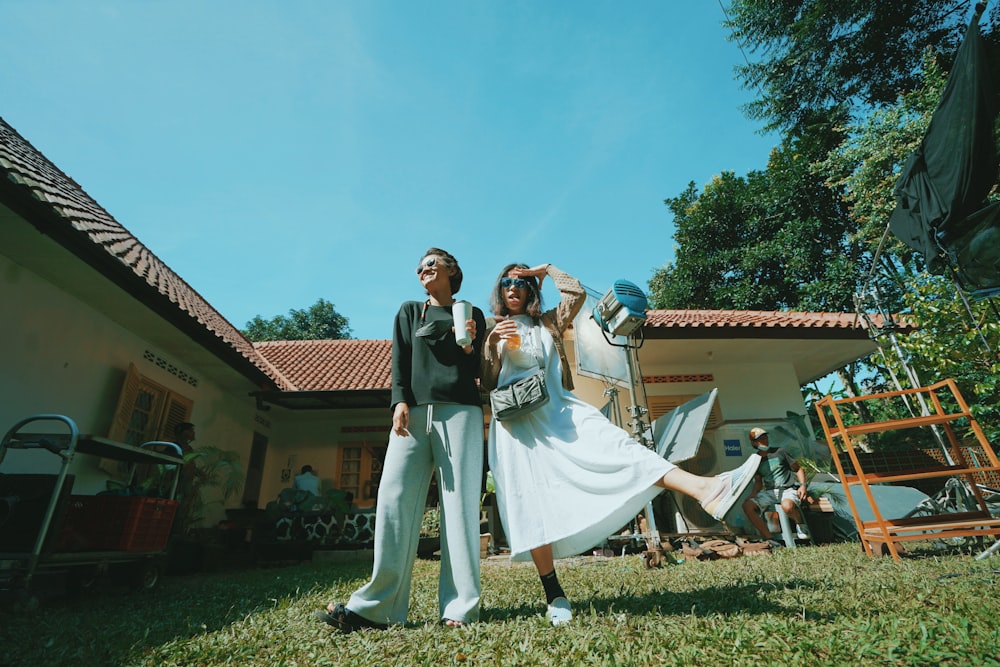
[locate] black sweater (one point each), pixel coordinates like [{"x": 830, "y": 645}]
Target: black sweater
[{"x": 431, "y": 367}]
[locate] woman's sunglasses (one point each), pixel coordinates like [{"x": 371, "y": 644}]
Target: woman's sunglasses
[
  {"x": 431, "y": 262},
  {"x": 519, "y": 283}
]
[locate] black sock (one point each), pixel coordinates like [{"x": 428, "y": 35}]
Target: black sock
[{"x": 550, "y": 582}]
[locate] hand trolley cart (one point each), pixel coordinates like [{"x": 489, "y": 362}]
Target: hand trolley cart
[{"x": 44, "y": 527}]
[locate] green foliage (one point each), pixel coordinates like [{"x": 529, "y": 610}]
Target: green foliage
[
  {"x": 207, "y": 471},
  {"x": 793, "y": 435},
  {"x": 865, "y": 167},
  {"x": 850, "y": 54},
  {"x": 430, "y": 525},
  {"x": 810, "y": 231},
  {"x": 949, "y": 341},
  {"x": 774, "y": 240},
  {"x": 320, "y": 322}
]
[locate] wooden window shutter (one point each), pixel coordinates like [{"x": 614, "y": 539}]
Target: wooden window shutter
[
  {"x": 146, "y": 411},
  {"x": 120, "y": 421},
  {"x": 126, "y": 403},
  {"x": 661, "y": 405},
  {"x": 178, "y": 411}
]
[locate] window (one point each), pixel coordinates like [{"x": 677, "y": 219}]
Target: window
[
  {"x": 359, "y": 467},
  {"x": 146, "y": 411}
]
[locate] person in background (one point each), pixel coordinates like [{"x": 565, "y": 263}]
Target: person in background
[
  {"x": 184, "y": 436},
  {"x": 307, "y": 481},
  {"x": 779, "y": 479},
  {"x": 437, "y": 427},
  {"x": 565, "y": 476}
]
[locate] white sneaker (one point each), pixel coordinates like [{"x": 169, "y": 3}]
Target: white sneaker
[
  {"x": 801, "y": 532},
  {"x": 559, "y": 612},
  {"x": 731, "y": 487}
]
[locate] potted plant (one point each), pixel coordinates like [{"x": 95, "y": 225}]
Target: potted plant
[{"x": 209, "y": 476}]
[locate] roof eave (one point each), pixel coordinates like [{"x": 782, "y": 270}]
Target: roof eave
[
  {"x": 679, "y": 332},
  {"x": 47, "y": 221}
]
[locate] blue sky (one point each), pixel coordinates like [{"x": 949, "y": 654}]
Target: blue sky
[{"x": 275, "y": 153}]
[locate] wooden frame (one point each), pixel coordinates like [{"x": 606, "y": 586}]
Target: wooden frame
[{"x": 889, "y": 531}]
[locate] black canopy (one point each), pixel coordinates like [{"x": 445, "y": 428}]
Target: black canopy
[{"x": 941, "y": 192}]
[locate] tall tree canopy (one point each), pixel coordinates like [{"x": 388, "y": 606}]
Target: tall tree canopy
[
  {"x": 319, "y": 322},
  {"x": 852, "y": 85},
  {"x": 777, "y": 239},
  {"x": 821, "y": 54},
  {"x": 954, "y": 338}
]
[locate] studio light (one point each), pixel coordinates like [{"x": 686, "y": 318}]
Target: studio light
[{"x": 622, "y": 310}]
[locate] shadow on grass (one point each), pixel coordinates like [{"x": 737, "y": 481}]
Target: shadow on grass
[
  {"x": 711, "y": 601},
  {"x": 109, "y": 623}
]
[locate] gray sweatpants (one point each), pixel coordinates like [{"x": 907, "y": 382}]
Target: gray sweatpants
[{"x": 448, "y": 439}]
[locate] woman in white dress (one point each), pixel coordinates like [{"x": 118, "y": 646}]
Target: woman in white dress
[{"x": 566, "y": 477}]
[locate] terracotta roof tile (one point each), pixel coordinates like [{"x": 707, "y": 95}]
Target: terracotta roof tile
[
  {"x": 23, "y": 165},
  {"x": 332, "y": 365},
  {"x": 752, "y": 319},
  {"x": 339, "y": 365}
]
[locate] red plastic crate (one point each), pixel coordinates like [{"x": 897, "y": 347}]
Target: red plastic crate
[{"x": 116, "y": 523}]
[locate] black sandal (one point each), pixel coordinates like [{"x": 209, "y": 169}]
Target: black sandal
[
  {"x": 452, "y": 623},
  {"x": 345, "y": 620}
]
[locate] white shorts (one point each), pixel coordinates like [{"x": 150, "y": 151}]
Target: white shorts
[{"x": 766, "y": 499}]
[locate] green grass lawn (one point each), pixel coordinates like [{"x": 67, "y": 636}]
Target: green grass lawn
[{"x": 828, "y": 605}]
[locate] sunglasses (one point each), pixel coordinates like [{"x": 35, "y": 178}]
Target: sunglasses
[
  {"x": 519, "y": 283},
  {"x": 431, "y": 262}
]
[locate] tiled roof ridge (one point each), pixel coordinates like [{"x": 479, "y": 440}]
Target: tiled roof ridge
[
  {"x": 352, "y": 341},
  {"x": 355, "y": 364},
  {"x": 752, "y": 318},
  {"x": 26, "y": 166}
]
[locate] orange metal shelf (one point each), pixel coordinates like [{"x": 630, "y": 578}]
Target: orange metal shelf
[
  {"x": 919, "y": 473},
  {"x": 899, "y": 424},
  {"x": 890, "y": 530}
]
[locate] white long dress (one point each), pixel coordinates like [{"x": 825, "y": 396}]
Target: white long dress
[{"x": 564, "y": 474}]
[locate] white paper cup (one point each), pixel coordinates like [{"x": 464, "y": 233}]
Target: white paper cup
[{"x": 461, "y": 311}]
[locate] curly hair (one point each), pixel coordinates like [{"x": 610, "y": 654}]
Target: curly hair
[
  {"x": 533, "y": 304},
  {"x": 449, "y": 259}
]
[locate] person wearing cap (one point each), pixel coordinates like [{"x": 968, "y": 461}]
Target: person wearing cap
[{"x": 779, "y": 479}]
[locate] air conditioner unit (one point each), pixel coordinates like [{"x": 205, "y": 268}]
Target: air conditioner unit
[{"x": 722, "y": 449}]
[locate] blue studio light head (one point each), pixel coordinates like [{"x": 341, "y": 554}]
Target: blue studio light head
[{"x": 622, "y": 309}]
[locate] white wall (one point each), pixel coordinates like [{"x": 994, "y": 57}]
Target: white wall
[
  {"x": 748, "y": 392},
  {"x": 60, "y": 355},
  {"x": 310, "y": 437}
]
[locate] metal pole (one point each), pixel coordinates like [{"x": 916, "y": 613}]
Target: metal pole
[
  {"x": 641, "y": 433},
  {"x": 889, "y": 331}
]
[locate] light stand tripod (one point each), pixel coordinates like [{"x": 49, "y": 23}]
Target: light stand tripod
[{"x": 621, "y": 312}]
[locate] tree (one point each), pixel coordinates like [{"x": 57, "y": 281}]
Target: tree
[
  {"x": 777, "y": 239},
  {"x": 320, "y": 322},
  {"x": 810, "y": 231},
  {"x": 951, "y": 339},
  {"x": 823, "y": 54}
]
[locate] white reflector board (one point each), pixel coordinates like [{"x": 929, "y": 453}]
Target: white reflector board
[
  {"x": 595, "y": 356},
  {"x": 678, "y": 433}
]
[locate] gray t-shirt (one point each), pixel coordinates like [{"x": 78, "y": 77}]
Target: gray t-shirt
[{"x": 776, "y": 470}]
